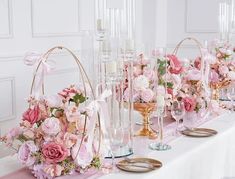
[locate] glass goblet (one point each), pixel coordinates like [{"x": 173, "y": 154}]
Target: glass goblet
[
  {"x": 231, "y": 95},
  {"x": 177, "y": 112}
]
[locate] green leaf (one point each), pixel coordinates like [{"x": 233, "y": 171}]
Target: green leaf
[
  {"x": 169, "y": 85},
  {"x": 79, "y": 98}
]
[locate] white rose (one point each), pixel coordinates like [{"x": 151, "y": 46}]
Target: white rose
[
  {"x": 141, "y": 82},
  {"x": 51, "y": 126}
]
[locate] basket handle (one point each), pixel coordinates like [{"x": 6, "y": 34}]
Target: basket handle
[
  {"x": 83, "y": 75},
  {"x": 198, "y": 44},
  {"x": 81, "y": 69}
]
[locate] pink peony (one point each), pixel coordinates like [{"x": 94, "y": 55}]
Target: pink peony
[
  {"x": 161, "y": 90},
  {"x": 32, "y": 115},
  {"x": 194, "y": 75},
  {"x": 53, "y": 101},
  {"x": 127, "y": 97},
  {"x": 54, "y": 152},
  {"x": 51, "y": 126},
  {"x": 141, "y": 82},
  {"x": 189, "y": 104},
  {"x": 149, "y": 73},
  {"x": 147, "y": 95},
  {"x": 25, "y": 153},
  {"x": 81, "y": 157},
  {"x": 175, "y": 65},
  {"x": 223, "y": 70},
  {"x": 53, "y": 170},
  {"x": 214, "y": 76}
]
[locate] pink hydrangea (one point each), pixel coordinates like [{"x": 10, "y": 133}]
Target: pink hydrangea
[{"x": 194, "y": 75}]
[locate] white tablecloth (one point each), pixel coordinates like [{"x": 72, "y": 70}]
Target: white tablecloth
[{"x": 189, "y": 158}]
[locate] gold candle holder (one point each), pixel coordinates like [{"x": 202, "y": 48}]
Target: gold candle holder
[{"x": 145, "y": 109}]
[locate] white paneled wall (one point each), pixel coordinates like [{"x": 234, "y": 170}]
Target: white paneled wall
[
  {"x": 191, "y": 18},
  {"x": 36, "y": 25}
]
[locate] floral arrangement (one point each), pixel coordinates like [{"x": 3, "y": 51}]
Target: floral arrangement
[
  {"x": 147, "y": 80},
  {"x": 192, "y": 92},
  {"x": 144, "y": 79},
  {"x": 52, "y": 139},
  {"x": 169, "y": 70},
  {"x": 223, "y": 69}
]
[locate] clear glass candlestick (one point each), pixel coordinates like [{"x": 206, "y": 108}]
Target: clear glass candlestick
[{"x": 160, "y": 146}]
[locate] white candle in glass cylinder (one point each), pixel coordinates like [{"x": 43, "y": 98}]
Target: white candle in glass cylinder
[
  {"x": 111, "y": 67},
  {"x": 130, "y": 45}
]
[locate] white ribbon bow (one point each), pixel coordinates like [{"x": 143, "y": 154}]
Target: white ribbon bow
[{"x": 99, "y": 106}]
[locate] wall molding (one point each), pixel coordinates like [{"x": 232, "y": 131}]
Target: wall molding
[
  {"x": 10, "y": 23},
  {"x": 45, "y": 35},
  {"x": 13, "y": 102},
  {"x": 19, "y": 57}
]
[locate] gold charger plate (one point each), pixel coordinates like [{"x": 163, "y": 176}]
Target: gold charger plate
[
  {"x": 138, "y": 165},
  {"x": 199, "y": 132}
]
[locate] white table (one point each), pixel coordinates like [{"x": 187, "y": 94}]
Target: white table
[{"x": 189, "y": 158}]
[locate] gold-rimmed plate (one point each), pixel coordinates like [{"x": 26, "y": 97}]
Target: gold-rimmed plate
[
  {"x": 139, "y": 165},
  {"x": 199, "y": 132}
]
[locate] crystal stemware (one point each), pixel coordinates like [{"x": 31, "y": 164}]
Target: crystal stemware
[
  {"x": 160, "y": 146},
  {"x": 177, "y": 112},
  {"x": 231, "y": 95}
]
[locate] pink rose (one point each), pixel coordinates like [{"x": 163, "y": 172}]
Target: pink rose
[
  {"x": 51, "y": 126},
  {"x": 175, "y": 65},
  {"x": 32, "y": 115},
  {"x": 170, "y": 91},
  {"x": 189, "y": 104},
  {"x": 82, "y": 157},
  {"x": 25, "y": 153},
  {"x": 223, "y": 70},
  {"x": 194, "y": 75},
  {"x": 53, "y": 170},
  {"x": 54, "y": 152},
  {"x": 214, "y": 76},
  {"x": 147, "y": 95},
  {"x": 197, "y": 63}
]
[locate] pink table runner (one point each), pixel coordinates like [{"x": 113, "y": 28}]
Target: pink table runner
[{"x": 169, "y": 129}]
